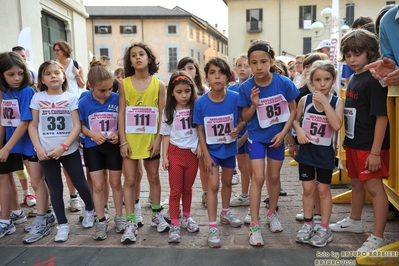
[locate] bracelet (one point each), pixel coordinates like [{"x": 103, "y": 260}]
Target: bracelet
[
  {"x": 374, "y": 154},
  {"x": 77, "y": 77},
  {"x": 290, "y": 145},
  {"x": 123, "y": 144}
]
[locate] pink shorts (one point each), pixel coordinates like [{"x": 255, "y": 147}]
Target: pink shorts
[{"x": 356, "y": 159}]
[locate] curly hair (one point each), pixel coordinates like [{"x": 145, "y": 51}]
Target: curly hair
[{"x": 153, "y": 64}]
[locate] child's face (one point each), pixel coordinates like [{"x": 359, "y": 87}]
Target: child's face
[
  {"x": 14, "y": 77},
  {"x": 356, "y": 61},
  {"x": 139, "y": 58},
  {"x": 191, "y": 70},
  {"x": 53, "y": 77},
  {"x": 119, "y": 78},
  {"x": 216, "y": 79},
  {"x": 322, "y": 81},
  {"x": 260, "y": 63},
  {"x": 182, "y": 93},
  {"x": 242, "y": 69},
  {"x": 102, "y": 90}
]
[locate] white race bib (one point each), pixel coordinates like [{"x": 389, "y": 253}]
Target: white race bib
[
  {"x": 218, "y": 128},
  {"x": 318, "y": 128},
  {"x": 55, "y": 122},
  {"x": 182, "y": 123},
  {"x": 349, "y": 120},
  {"x": 105, "y": 122},
  {"x": 272, "y": 110},
  {"x": 141, "y": 119},
  {"x": 10, "y": 115}
]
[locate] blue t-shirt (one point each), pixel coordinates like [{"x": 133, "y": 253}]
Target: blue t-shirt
[
  {"x": 98, "y": 115},
  {"x": 205, "y": 108},
  {"x": 279, "y": 85},
  {"x": 81, "y": 135},
  {"x": 347, "y": 72},
  {"x": 23, "y": 97}
]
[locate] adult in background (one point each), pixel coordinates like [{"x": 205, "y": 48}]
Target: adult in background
[
  {"x": 21, "y": 51},
  {"x": 324, "y": 47}
]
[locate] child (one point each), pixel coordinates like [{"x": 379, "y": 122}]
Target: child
[
  {"x": 119, "y": 75},
  {"x": 268, "y": 104},
  {"x": 54, "y": 129},
  {"x": 244, "y": 72},
  {"x": 366, "y": 137},
  {"x": 191, "y": 66},
  {"x": 98, "y": 113},
  {"x": 141, "y": 101},
  {"x": 180, "y": 150},
  {"x": 217, "y": 117},
  {"x": 319, "y": 116}
]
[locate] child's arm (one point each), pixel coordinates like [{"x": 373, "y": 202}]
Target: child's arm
[
  {"x": 373, "y": 162},
  {"x": 234, "y": 132},
  {"x": 165, "y": 154},
  {"x": 125, "y": 149},
  {"x": 279, "y": 138},
  {"x": 334, "y": 117},
  {"x": 34, "y": 136},
  {"x": 243, "y": 139},
  {"x": 155, "y": 147},
  {"x": 97, "y": 137},
  {"x": 248, "y": 112},
  {"x": 209, "y": 163},
  {"x": 16, "y": 136},
  {"x": 302, "y": 136}
]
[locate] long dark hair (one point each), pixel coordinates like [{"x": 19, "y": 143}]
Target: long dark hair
[
  {"x": 7, "y": 61},
  {"x": 179, "y": 77},
  {"x": 153, "y": 64},
  {"x": 199, "y": 73}
]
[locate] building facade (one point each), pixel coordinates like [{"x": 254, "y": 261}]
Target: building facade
[
  {"x": 287, "y": 23},
  {"x": 171, "y": 33},
  {"x": 47, "y": 21}
]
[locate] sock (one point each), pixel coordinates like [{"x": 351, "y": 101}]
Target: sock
[
  {"x": 131, "y": 217},
  {"x": 186, "y": 215},
  {"x": 213, "y": 225},
  {"x": 175, "y": 222},
  {"x": 17, "y": 212},
  {"x": 376, "y": 237},
  {"x": 41, "y": 219},
  {"x": 8, "y": 222},
  {"x": 26, "y": 192},
  {"x": 244, "y": 195},
  {"x": 269, "y": 212},
  {"x": 156, "y": 208},
  {"x": 308, "y": 221},
  {"x": 316, "y": 214},
  {"x": 253, "y": 223},
  {"x": 74, "y": 196},
  {"x": 324, "y": 225},
  {"x": 137, "y": 201},
  {"x": 225, "y": 210},
  {"x": 355, "y": 221},
  {"x": 101, "y": 220}
]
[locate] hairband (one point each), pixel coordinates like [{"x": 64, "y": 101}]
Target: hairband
[
  {"x": 180, "y": 78},
  {"x": 261, "y": 47}
]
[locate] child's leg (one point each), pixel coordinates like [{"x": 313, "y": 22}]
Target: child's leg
[
  {"x": 325, "y": 202},
  {"x": 212, "y": 194},
  {"x": 129, "y": 169},
  {"x": 139, "y": 177},
  {"x": 39, "y": 186},
  {"x": 89, "y": 181},
  {"x": 358, "y": 197},
  {"x": 152, "y": 168},
  {"x": 106, "y": 187},
  {"x": 307, "y": 198},
  {"x": 117, "y": 193},
  {"x": 97, "y": 178},
  {"x": 227, "y": 174},
  {"x": 190, "y": 174},
  {"x": 14, "y": 195},
  {"x": 257, "y": 181},
  {"x": 244, "y": 164},
  {"x": 71, "y": 188},
  {"x": 380, "y": 205},
  {"x": 203, "y": 177},
  {"x": 5, "y": 195},
  {"x": 176, "y": 181},
  {"x": 273, "y": 181}
]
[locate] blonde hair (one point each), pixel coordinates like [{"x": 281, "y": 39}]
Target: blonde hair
[{"x": 325, "y": 65}]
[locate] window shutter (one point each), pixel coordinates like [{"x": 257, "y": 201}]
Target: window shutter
[
  {"x": 301, "y": 17},
  {"x": 260, "y": 14},
  {"x": 96, "y": 29},
  {"x": 109, "y": 29},
  {"x": 314, "y": 12},
  {"x": 248, "y": 15},
  {"x": 121, "y": 29},
  {"x": 134, "y": 29}
]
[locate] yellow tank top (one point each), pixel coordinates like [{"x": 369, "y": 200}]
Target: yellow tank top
[{"x": 139, "y": 143}]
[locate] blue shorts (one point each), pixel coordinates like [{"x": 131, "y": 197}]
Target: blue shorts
[
  {"x": 259, "y": 150},
  {"x": 229, "y": 162},
  {"x": 244, "y": 148}
]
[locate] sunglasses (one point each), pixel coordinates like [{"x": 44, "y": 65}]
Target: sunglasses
[{"x": 57, "y": 50}]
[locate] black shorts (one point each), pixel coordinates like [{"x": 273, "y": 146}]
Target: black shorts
[
  {"x": 104, "y": 156},
  {"x": 14, "y": 163},
  {"x": 153, "y": 158},
  {"x": 32, "y": 158},
  {"x": 307, "y": 173}
]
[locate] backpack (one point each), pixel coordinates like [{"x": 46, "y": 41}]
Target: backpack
[{"x": 75, "y": 63}]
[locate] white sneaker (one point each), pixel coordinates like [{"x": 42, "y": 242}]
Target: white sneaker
[
  {"x": 300, "y": 216},
  {"x": 316, "y": 222},
  {"x": 247, "y": 219},
  {"x": 346, "y": 225},
  {"x": 129, "y": 235},
  {"x": 274, "y": 223},
  {"x": 372, "y": 243},
  {"x": 239, "y": 201},
  {"x": 236, "y": 178},
  {"x": 74, "y": 205},
  {"x": 139, "y": 216},
  {"x": 159, "y": 222},
  {"x": 29, "y": 199},
  {"x": 88, "y": 219},
  {"x": 255, "y": 236},
  {"x": 62, "y": 234}
]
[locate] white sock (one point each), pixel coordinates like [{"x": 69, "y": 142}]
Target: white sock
[
  {"x": 5, "y": 221},
  {"x": 26, "y": 192},
  {"x": 17, "y": 212},
  {"x": 355, "y": 221}
]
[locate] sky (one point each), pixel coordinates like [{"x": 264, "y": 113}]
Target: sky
[{"x": 213, "y": 11}]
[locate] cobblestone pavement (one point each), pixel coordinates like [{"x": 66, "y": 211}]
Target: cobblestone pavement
[{"x": 231, "y": 238}]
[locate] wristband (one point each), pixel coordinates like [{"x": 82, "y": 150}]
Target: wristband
[
  {"x": 290, "y": 145},
  {"x": 123, "y": 144}
]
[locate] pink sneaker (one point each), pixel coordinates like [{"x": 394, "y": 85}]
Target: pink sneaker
[{"x": 30, "y": 200}]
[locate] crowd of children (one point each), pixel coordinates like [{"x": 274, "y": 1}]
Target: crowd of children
[{"x": 129, "y": 118}]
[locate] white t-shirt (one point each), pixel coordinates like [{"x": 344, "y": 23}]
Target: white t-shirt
[
  {"x": 180, "y": 131},
  {"x": 73, "y": 86},
  {"x": 298, "y": 80},
  {"x": 55, "y": 119},
  {"x": 34, "y": 72}
]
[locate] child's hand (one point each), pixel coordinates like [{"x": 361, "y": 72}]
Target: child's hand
[
  {"x": 292, "y": 150},
  {"x": 56, "y": 153},
  {"x": 199, "y": 152},
  {"x": 373, "y": 163},
  {"x": 255, "y": 96},
  {"x": 278, "y": 140},
  {"x": 98, "y": 138},
  {"x": 165, "y": 164},
  {"x": 241, "y": 141},
  {"x": 155, "y": 147},
  {"x": 209, "y": 163},
  {"x": 41, "y": 154},
  {"x": 113, "y": 137},
  {"x": 234, "y": 133},
  {"x": 125, "y": 150},
  {"x": 303, "y": 136},
  {"x": 4, "y": 155},
  {"x": 320, "y": 98}
]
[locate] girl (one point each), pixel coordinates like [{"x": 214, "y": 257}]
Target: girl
[
  {"x": 191, "y": 66},
  {"x": 217, "y": 117},
  {"x": 319, "y": 116},
  {"x": 268, "y": 104},
  {"x": 180, "y": 150},
  {"x": 16, "y": 96},
  {"x": 141, "y": 101},
  {"x": 244, "y": 72},
  {"x": 54, "y": 129},
  {"x": 119, "y": 75},
  {"x": 98, "y": 113}
]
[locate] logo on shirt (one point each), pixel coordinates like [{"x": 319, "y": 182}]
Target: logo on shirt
[
  {"x": 47, "y": 104},
  {"x": 113, "y": 108}
]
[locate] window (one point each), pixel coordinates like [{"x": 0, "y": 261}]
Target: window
[
  {"x": 199, "y": 57},
  {"x": 203, "y": 37},
  {"x": 198, "y": 36},
  {"x": 104, "y": 51},
  {"x": 350, "y": 13},
  {"x": 209, "y": 41},
  {"x": 391, "y": 2},
  {"x": 102, "y": 29},
  {"x": 192, "y": 52},
  {"x": 128, "y": 29},
  {"x": 214, "y": 44},
  {"x": 307, "y": 45},
  {"x": 191, "y": 33},
  {"x": 254, "y": 20},
  {"x": 172, "y": 54},
  {"x": 218, "y": 46},
  {"x": 53, "y": 29},
  {"x": 172, "y": 29},
  {"x": 307, "y": 15}
]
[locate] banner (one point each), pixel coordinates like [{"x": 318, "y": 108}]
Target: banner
[{"x": 25, "y": 40}]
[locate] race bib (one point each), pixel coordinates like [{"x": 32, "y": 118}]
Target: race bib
[
  {"x": 106, "y": 123},
  {"x": 218, "y": 128},
  {"x": 349, "y": 121},
  {"x": 10, "y": 113},
  {"x": 55, "y": 122},
  {"x": 182, "y": 123},
  {"x": 141, "y": 119},
  {"x": 318, "y": 128},
  {"x": 272, "y": 110}
]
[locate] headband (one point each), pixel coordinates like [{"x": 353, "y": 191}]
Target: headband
[
  {"x": 181, "y": 78},
  {"x": 261, "y": 47}
]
